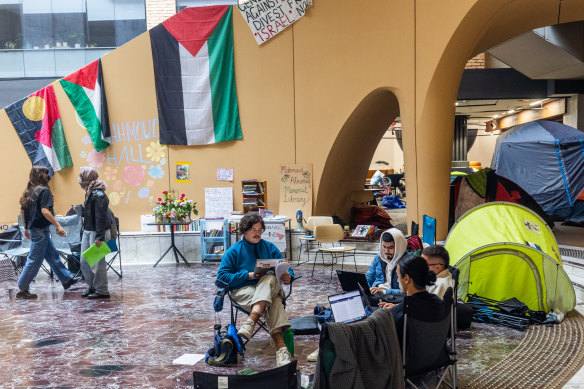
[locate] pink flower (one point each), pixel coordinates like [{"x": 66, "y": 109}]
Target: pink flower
[
  {"x": 134, "y": 175},
  {"x": 95, "y": 159},
  {"x": 165, "y": 192},
  {"x": 159, "y": 199},
  {"x": 182, "y": 195}
]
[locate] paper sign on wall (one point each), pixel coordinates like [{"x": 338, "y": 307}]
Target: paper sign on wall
[
  {"x": 267, "y": 18},
  {"x": 224, "y": 174},
  {"x": 218, "y": 202},
  {"x": 276, "y": 233},
  {"x": 295, "y": 190}
]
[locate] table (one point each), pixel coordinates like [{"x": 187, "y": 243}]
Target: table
[{"x": 172, "y": 247}]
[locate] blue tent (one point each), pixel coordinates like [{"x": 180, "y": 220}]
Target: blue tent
[{"x": 547, "y": 160}]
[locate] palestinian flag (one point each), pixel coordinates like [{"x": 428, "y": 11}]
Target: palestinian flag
[
  {"x": 37, "y": 122},
  {"x": 85, "y": 88},
  {"x": 195, "y": 79}
]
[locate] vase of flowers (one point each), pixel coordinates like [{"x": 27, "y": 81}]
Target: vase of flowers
[{"x": 172, "y": 208}]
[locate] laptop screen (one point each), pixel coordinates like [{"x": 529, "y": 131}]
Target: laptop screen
[{"x": 347, "y": 307}]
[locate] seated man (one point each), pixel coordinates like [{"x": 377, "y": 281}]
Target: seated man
[
  {"x": 382, "y": 276},
  {"x": 438, "y": 261},
  {"x": 259, "y": 296}
]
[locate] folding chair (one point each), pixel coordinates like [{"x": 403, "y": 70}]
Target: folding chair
[
  {"x": 73, "y": 225},
  {"x": 236, "y": 308},
  {"x": 118, "y": 254},
  {"x": 428, "y": 230},
  {"x": 15, "y": 247},
  {"x": 430, "y": 346}
]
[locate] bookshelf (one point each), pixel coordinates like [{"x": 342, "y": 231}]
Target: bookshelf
[
  {"x": 255, "y": 194},
  {"x": 215, "y": 239}
]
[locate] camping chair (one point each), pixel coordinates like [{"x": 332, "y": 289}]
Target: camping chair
[
  {"x": 283, "y": 377},
  {"x": 118, "y": 254},
  {"x": 332, "y": 233},
  {"x": 428, "y": 230},
  {"x": 15, "y": 247},
  {"x": 236, "y": 308},
  {"x": 430, "y": 346},
  {"x": 306, "y": 241},
  {"x": 73, "y": 225}
]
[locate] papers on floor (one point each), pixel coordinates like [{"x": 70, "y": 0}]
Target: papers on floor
[{"x": 188, "y": 359}]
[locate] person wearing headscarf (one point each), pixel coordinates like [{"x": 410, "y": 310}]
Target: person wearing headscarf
[
  {"x": 36, "y": 213},
  {"x": 96, "y": 230},
  {"x": 382, "y": 276}
]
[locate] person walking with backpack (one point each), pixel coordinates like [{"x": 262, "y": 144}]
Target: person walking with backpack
[
  {"x": 36, "y": 212},
  {"x": 96, "y": 229}
]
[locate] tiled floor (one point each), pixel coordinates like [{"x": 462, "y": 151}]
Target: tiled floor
[{"x": 153, "y": 317}]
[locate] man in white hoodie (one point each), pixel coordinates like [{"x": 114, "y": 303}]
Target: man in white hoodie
[
  {"x": 438, "y": 261},
  {"x": 382, "y": 276}
]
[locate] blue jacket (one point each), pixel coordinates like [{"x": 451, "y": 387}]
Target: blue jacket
[
  {"x": 240, "y": 260},
  {"x": 376, "y": 275}
]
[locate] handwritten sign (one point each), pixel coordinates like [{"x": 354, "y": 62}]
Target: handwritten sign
[
  {"x": 295, "y": 190},
  {"x": 218, "y": 202},
  {"x": 224, "y": 174},
  {"x": 276, "y": 233},
  {"x": 267, "y": 18}
]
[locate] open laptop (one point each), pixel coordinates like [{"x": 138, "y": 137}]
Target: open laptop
[
  {"x": 347, "y": 307},
  {"x": 354, "y": 281}
]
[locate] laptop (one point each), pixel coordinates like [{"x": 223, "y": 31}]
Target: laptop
[
  {"x": 347, "y": 307},
  {"x": 354, "y": 281}
]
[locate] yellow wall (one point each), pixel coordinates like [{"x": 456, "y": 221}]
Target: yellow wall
[{"x": 348, "y": 67}]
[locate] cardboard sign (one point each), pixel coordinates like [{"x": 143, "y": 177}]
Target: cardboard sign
[
  {"x": 296, "y": 190},
  {"x": 267, "y": 18},
  {"x": 218, "y": 202},
  {"x": 276, "y": 233}
]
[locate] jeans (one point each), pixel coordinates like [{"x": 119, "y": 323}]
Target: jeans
[
  {"x": 95, "y": 276},
  {"x": 42, "y": 248}
]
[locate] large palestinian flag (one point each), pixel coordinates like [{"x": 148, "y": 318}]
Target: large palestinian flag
[
  {"x": 85, "y": 88},
  {"x": 195, "y": 80},
  {"x": 37, "y": 122}
]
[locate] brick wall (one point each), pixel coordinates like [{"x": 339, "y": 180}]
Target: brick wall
[
  {"x": 477, "y": 62},
  {"x": 158, "y": 11}
]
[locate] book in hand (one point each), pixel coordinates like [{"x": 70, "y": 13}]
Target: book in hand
[{"x": 276, "y": 267}]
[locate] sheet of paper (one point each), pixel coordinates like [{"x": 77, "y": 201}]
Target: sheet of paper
[
  {"x": 188, "y": 359},
  {"x": 95, "y": 254},
  {"x": 281, "y": 268}
]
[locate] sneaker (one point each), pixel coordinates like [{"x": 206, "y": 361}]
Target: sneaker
[
  {"x": 283, "y": 357},
  {"x": 71, "y": 282},
  {"x": 87, "y": 292},
  {"x": 246, "y": 329},
  {"x": 25, "y": 295},
  {"x": 313, "y": 356},
  {"x": 98, "y": 296}
]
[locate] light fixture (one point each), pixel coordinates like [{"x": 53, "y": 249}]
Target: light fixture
[
  {"x": 511, "y": 111},
  {"x": 456, "y": 103},
  {"x": 536, "y": 103},
  {"x": 495, "y": 117}
]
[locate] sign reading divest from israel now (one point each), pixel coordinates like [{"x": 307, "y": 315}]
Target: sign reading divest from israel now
[{"x": 267, "y": 18}]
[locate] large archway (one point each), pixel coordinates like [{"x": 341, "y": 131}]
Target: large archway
[
  {"x": 349, "y": 158},
  {"x": 486, "y": 24}
]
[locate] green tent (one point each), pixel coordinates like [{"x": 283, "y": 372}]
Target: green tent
[{"x": 504, "y": 250}]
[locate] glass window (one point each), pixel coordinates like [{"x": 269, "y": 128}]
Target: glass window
[
  {"x": 37, "y": 30},
  {"x": 182, "y": 4},
  {"x": 70, "y": 29},
  {"x": 10, "y": 27}
]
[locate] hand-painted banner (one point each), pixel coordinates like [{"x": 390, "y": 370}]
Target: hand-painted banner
[{"x": 267, "y": 18}]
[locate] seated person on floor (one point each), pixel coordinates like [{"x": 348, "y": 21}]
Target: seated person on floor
[
  {"x": 414, "y": 276},
  {"x": 261, "y": 296},
  {"x": 438, "y": 261},
  {"x": 382, "y": 276}
]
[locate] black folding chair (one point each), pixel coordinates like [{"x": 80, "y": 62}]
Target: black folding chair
[
  {"x": 236, "y": 308},
  {"x": 118, "y": 254},
  {"x": 430, "y": 346}
]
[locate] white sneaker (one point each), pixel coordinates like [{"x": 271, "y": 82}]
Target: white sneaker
[
  {"x": 313, "y": 356},
  {"x": 283, "y": 357},
  {"x": 246, "y": 329}
]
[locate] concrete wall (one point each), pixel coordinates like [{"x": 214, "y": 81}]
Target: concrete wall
[{"x": 321, "y": 92}]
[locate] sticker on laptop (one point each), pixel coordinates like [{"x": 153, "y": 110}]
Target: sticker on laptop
[{"x": 533, "y": 227}]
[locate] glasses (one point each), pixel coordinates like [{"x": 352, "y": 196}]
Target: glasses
[{"x": 257, "y": 231}]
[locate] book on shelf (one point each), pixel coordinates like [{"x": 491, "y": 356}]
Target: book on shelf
[
  {"x": 260, "y": 187},
  {"x": 261, "y": 202},
  {"x": 213, "y": 233},
  {"x": 250, "y": 193}
]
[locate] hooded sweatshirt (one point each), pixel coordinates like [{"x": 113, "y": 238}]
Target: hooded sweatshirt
[{"x": 400, "y": 248}]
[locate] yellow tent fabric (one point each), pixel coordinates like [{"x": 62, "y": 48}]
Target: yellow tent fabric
[{"x": 504, "y": 250}]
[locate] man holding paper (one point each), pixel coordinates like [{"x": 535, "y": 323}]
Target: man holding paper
[
  {"x": 260, "y": 296},
  {"x": 96, "y": 230}
]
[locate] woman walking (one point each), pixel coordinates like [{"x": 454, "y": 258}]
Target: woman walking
[
  {"x": 36, "y": 212},
  {"x": 96, "y": 229}
]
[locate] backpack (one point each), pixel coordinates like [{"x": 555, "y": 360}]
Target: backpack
[{"x": 226, "y": 346}]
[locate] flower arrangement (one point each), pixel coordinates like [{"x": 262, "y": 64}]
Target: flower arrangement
[{"x": 171, "y": 208}]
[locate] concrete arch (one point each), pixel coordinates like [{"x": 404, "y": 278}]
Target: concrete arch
[
  {"x": 350, "y": 156},
  {"x": 486, "y": 24}
]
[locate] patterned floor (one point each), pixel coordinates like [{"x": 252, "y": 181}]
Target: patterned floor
[{"x": 153, "y": 317}]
